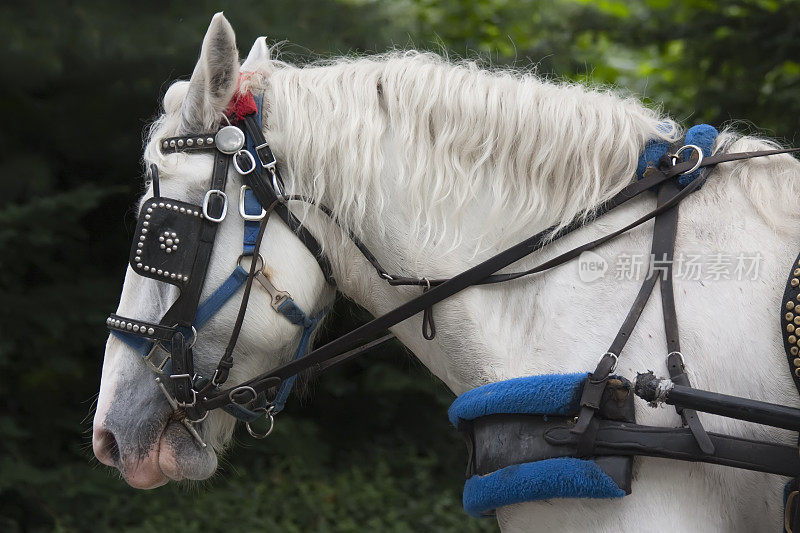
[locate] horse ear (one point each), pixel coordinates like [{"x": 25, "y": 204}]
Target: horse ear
[
  {"x": 258, "y": 56},
  {"x": 214, "y": 80}
]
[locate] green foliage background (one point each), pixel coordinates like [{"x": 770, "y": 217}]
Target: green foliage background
[{"x": 370, "y": 447}]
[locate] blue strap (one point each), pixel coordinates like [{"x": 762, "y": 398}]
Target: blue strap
[
  {"x": 296, "y": 316},
  {"x": 205, "y": 311},
  {"x": 701, "y": 135},
  {"x": 251, "y": 204}
]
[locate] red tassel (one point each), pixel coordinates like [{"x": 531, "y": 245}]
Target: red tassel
[{"x": 241, "y": 105}]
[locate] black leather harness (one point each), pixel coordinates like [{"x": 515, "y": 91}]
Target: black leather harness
[{"x": 605, "y": 428}]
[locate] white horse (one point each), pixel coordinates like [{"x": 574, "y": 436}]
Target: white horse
[{"x": 435, "y": 167}]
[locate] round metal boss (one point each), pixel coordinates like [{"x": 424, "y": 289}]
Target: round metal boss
[{"x": 229, "y": 140}]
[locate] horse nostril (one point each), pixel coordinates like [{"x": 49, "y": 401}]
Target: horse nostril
[{"x": 105, "y": 447}]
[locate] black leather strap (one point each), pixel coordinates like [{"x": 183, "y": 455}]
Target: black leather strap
[
  {"x": 466, "y": 279},
  {"x": 189, "y": 142},
  {"x": 620, "y": 438},
  {"x": 266, "y": 195},
  {"x": 149, "y": 330}
]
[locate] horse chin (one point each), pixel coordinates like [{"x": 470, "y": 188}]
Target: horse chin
[{"x": 180, "y": 457}]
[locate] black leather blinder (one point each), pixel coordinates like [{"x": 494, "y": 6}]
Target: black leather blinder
[{"x": 166, "y": 238}]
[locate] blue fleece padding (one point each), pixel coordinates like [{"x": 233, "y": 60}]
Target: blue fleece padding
[
  {"x": 563, "y": 477},
  {"x": 701, "y": 135},
  {"x": 551, "y": 394}
]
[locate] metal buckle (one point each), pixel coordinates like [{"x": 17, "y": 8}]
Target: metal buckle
[
  {"x": 191, "y": 388},
  {"x": 242, "y": 212},
  {"x": 680, "y": 355},
  {"x": 250, "y": 159},
  {"x": 271, "y": 164},
  {"x": 268, "y": 416},
  {"x": 242, "y": 388},
  {"x": 280, "y": 192},
  {"x": 694, "y": 148},
  {"x": 207, "y": 198},
  {"x": 616, "y": 360},
  {"x": 157, "y": 368}
]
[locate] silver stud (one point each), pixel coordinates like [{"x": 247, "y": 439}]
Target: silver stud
[
  {"x": 172, "y": 144},
  {"x": 172, "y": 276},
  {"x": 168, "y": 250},
  {"x": 146, "y": 268},
  {"x": 147, "y": 217},
  {"x": 138, "y": 258},
  {"x": 129, "y": 326},
  {"x": 160, "y": 204},
  {"x": 185, "y": 278},
  {"x": 138, "y": 265},
  {"x": 173, "y": 234},
  {"x": 200, "y": 142},
  {"x": 209, "y": 140},
  {"x": 166, "y": 274},
  {"x": 109, "y": 320},
  {"x": 161, "y": 239},
  {"x": 165, "y": 144},
  {"x": 149, "y": 209},
  {"x": 189, "y": 142},
  {"x": 183, "y": 209},
  {"x": 140, "y": 245},
  {"x": 144, "y": 231},
  {"x": 142, "y": 237},
  {"x": 153, "y": 204},
  {"x": 150, "y": 331},
  {"x": 159, "y": 272},
  {"x": 169, "y": 242},
  {"x": 174, "y": 207},
  {"x": 145, "y": 223},
  {"x": 136, "y": 328},
  {"x": 180, "y": 142},
  {"x": 177, "y": 241},
  {"x": 162, "y": 246},
  {"x": 169, "y": 206},
  {"x": 116, "y": 323}
]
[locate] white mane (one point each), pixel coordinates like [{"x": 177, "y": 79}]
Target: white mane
[{"x": 528, "y": 153}]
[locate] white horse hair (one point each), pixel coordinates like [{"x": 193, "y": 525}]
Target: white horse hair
[{"x": 436, "y": 166}]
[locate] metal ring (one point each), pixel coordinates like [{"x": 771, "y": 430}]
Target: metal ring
[
  {"x": 242, "y": 388},
  {"x": 242, "y": 211},
  {"x": 694, "y": 148},
  {"x": 199, "y": 419},
  {"x": 683, "y": 364},
  {"x": 268, "y": 416},
  {"x": 616, "y": 360},
  {"x": 788, "y": 510},
  {"x": 207, "y": 198},
  {"x": 250, "y": 158},
  {"x": 258, "y": 258}
]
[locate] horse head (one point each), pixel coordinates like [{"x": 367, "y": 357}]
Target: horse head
[{"x": 137, "y": 428}]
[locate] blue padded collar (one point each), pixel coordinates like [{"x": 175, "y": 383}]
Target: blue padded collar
[
  {"x": 562, "y": 477},
  {"x": 551, "y": 394},
  {"x": 701, "y": 135}
]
